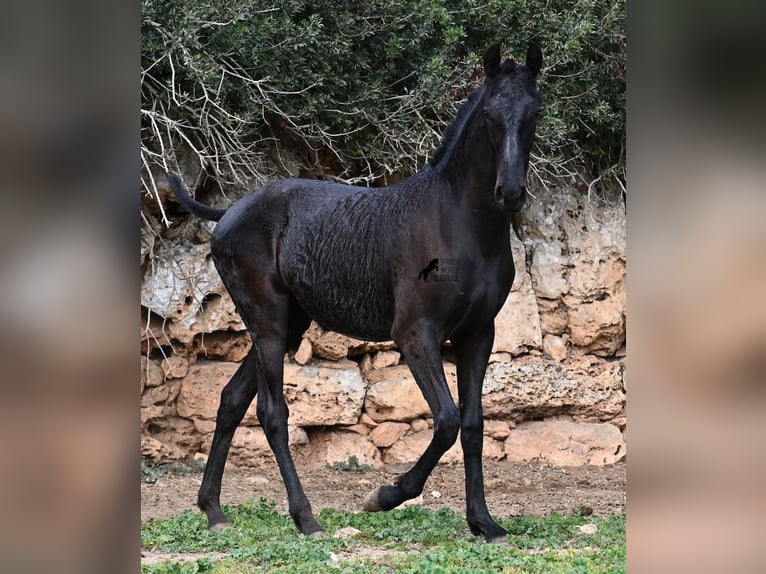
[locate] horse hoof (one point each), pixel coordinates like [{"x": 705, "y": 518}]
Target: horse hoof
[
  {"x": 318, "y": 534},
  {"x": 218, "y": 527},
  {"x": 502, "y": 540},
  {"x": 372, "y": 502}
]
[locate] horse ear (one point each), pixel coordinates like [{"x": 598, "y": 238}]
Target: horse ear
[
  {"x": 492, "y": 59},
  {"x": 534, "y": 61}
]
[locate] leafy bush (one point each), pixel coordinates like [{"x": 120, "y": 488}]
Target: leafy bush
[
  {"x": 351, "y": 465},
  {"x": 360, "y": 90}
]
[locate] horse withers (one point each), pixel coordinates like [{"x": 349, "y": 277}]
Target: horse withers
[{"x": 354, "y": 260}]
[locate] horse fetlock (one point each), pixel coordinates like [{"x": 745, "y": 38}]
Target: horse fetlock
[
  {"x": 219, "y": 526},
  {"x": 489, "y": 529},
  {"x": 308, "y": 525}
]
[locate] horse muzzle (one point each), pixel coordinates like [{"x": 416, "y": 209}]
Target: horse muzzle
[{"x": 510, "y": 199}]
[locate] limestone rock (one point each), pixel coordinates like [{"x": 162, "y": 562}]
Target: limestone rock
[
  {"x": 328, "y": 344},
  {"x": 201, "y": 391},
  {"x": 216, "y": 312},
  {"x": 324, "y": 394},
  {"x": 159, "y": 395},
  {"x": 367, "y": 421},
  {"x": 620, "y": 422},
  {"x": 493, "y": 449},
  {"x": 387, "y": 433},
  {"x": 588, "y": 389},
  {"x": 358, "y": 428},
  {"x": 383, "y": 359},
  {"x": 418, "y": 425},
  {"x": 394, "y": 396},
  {"x": 554, "y": 347},
  {"x": 554, "y": 318},
  {"x": 500, "y": 357},
  {"x": 549, "y": 270},
  {"x": 598, "y": 260},
  {"x": 358, "y": 347},
  {"x": 315, "y": 394},
  {"x": 175, "y": 432},
  {"x": 249, "y": 445},
  {"x": 366, "y": 363},
  {"x": 408, "y": 449},
  {"x": 565, "y": 443},
  {"x": 204, "y": 426},
  {"x": 304, "y": 352},
  {"x": 153, "y": 412},
  {"x": 577, "y": 265},
  {"x": 346, "y": 532},
  {"x": 175, "y": 367},
  {"x": 497, "y": 429},
  {"x": 330, "y": 447},
  {"x": 599, "y": 326},
  {"x": 181, "y": 284},
  {"x": 230, "y": 346},
  {"x": 158, "y": 450},
  {"x": 517, "y": 325},
  {"x": 151, "y": 373}
]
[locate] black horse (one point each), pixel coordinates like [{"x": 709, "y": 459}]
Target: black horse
[{"x": 296, "y": 249}]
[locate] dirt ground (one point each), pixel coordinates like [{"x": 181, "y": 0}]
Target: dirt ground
[{"x": 511, "y": 489}]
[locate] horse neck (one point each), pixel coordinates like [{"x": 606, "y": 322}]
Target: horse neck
[{"x": 470, "y": 172}]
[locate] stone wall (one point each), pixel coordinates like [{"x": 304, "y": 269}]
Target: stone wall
[{"x": 554, "y": 390}]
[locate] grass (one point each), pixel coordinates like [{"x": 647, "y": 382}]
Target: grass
[
  {"x": 414, "y": 539},
  {"x": 151, "y": 470}
]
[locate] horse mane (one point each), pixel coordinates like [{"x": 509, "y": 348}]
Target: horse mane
[{"x": 452, "y": 133}]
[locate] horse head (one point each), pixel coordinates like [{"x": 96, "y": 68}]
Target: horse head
[{"x": 510, "y": 107}]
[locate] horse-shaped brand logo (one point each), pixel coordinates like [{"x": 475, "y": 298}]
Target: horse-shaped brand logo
[{"x": 432, "y": 266}]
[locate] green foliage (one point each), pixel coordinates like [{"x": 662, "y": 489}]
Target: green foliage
[
  {"x": 191, "y": 567},
  {"x": 369, "y": 86},
  {"x": 152, "y": 469},
  {"x": 410, "y": 540},
  {"x": 351, "y": 465}
]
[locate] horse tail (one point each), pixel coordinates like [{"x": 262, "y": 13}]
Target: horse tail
[{"x": 192, "y": 206}]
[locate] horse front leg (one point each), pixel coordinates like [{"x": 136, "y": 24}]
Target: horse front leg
[
  {"x": 472, "y": 353},
  {"x": 422, "y": 351}
]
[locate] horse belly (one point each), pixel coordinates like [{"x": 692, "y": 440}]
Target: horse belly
[
  {"x": 349, "y": 309},
  {"x": 335, "y": 262}
]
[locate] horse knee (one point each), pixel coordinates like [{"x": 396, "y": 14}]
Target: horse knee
[
  {"x": 447, "y": 425},
  {"x": 471, "y": 432}
]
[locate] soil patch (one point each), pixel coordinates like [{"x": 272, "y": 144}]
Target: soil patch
[{"x": 511, "y": 489}]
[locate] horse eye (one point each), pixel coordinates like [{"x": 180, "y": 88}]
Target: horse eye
[{"x": 485, "y": 112}]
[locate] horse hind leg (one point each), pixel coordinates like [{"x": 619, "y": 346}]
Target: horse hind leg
[
  {"x": 276, "y": 324},
  {"x": 235, "y": 400}
]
